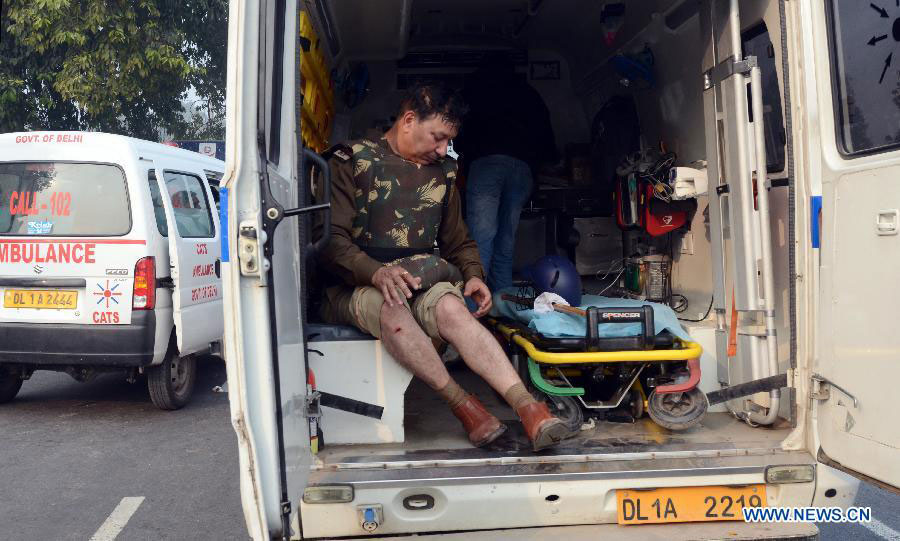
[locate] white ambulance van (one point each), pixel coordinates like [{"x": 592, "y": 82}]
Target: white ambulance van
[
  {"x": 109, "y": 260},
  {"x": 789, "y": 269}
]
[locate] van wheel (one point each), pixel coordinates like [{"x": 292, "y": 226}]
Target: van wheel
[
  {"x": 10, "y": 384},
  {"x": 171, "y": 383}
]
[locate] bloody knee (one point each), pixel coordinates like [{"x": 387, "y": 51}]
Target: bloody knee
[{"x": 395, "y": 319}]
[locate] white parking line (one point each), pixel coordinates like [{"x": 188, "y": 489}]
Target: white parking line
[
  {"x": 882, "y": 530},
  {"x": 116, "y": 521}
]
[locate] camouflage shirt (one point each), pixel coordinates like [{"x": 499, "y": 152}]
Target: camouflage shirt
[{"x": 410, "y": 213}]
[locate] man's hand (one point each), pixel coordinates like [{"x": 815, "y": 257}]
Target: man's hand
[
  {"x": 394, "y": 281},
  {"x": 479, "y": 291}
]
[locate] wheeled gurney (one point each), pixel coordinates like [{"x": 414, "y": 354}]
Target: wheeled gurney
[{"x": 607, "y": 367}]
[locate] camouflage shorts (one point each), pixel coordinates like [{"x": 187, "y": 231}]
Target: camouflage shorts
[{"x": 361, "y": 307}]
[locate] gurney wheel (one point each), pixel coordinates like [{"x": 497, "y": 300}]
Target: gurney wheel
[
  {"x": 637, "y": 404},
  {"x": 565, "y": 407},
  {"x": 677, "y": 411}
]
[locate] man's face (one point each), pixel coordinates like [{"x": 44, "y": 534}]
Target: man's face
[{"x": 424, "y": 141}]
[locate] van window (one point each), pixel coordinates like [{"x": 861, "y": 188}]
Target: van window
[
  {"x": 214, "y": 178},
  {"x": 190, "y": 206},
  {"x": 56, "y": 199},
  {"x": 158, "y": 211},
  {"x": 865, "y": 77}
]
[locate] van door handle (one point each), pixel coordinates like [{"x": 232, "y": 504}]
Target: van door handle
[
  {"x": 218, "y": 268},
  {"x": 886, "y": 221}
]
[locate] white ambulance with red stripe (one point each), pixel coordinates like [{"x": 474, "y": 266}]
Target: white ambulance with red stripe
[{"x": 109, "y": 260}]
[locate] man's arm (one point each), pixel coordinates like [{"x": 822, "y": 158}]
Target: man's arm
[
  {"x": 454, "y": 241},
  {"x": 342, "y": 256}
]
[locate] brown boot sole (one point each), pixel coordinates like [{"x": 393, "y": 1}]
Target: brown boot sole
[
  {"x": 491, "y": 437},
  {"x": 550, "y": 434}
]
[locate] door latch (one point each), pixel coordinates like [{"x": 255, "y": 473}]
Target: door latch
[
  {"x": 886, "y": 221},
  {"x": 823, "y": 392},
  {"x": 249, "y": 242}
]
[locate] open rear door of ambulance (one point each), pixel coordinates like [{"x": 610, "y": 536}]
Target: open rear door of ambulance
[
  {"x": 264, "y": 260},
  {"x": 194, "y": 248},
  {"x": 857, "y": 236}
]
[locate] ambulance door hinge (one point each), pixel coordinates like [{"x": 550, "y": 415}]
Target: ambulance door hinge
[
  {"x": 285, "y": 508},
  {"x": 822, "y": 389},
  {"x": 725, "y": 69}
]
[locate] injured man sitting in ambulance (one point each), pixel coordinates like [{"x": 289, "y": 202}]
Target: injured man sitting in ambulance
[{"x": 392, "y": 197}]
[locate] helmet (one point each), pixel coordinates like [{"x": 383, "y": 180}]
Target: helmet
[{"x": 555, "y": 274}]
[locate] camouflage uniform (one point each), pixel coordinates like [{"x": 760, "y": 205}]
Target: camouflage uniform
[{"x": 390, "y": 211}]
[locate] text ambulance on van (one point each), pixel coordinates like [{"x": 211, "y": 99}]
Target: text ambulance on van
[{"x": 98, "y": 269}]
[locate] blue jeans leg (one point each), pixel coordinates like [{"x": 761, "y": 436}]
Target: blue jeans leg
[
  {"x": 483, "y": 190},
  {"x": 516, "y": 189}
]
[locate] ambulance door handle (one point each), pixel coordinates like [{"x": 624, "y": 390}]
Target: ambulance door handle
[
  {"x": 218, "y": 268},
  {"x": 886, "y": 221}
]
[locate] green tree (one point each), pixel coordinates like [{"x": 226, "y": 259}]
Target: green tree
[
  {"x": 120, "y": 66},
  {"x": 203, "y": 124}
]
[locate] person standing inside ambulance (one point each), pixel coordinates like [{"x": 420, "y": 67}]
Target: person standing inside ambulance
[
  {"x": 507, "y": 135},
  {"x": 392, "y": 198}
]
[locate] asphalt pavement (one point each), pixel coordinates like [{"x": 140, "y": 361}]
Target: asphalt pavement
[
  {"x": 77, "y": 457},
  {"x": 885, "y": 514},
  {"x": 72, "y": 451}
]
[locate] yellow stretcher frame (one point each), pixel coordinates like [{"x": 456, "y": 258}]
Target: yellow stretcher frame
[{"x": 688, "y": 350}]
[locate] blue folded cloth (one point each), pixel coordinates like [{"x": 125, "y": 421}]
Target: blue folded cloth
[{"x": 556, "y": 324}]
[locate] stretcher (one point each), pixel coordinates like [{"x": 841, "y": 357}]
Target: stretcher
[{"x": 606, "y": 374}]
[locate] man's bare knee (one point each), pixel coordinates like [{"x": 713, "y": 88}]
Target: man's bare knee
[
  {"x": 452, "y": 312},
  {"x": 395, "y": 319}
]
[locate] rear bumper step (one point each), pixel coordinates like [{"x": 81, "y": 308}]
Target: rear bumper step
[
  {"x": 559, "y": 495},
  {"x": 647, "y": 532},
  {"x": 712, "y": 462},
  {"x": 84, "y": 345}
]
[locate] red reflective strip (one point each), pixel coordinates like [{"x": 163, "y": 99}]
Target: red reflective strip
[
  {"x": 72, "y": 241},
  {"x": 693, "y": 381}
]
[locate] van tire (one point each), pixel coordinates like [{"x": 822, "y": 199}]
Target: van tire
[
  {"x": 171, "y": 383},
  {"x": 10, "y": 383}
]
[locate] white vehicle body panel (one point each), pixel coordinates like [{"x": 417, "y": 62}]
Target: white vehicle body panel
[{"x": 107, "y": 263}]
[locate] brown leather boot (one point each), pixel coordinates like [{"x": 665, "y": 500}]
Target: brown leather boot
[
  {"x": 543, "y": 429},
  {"x": 483, "y": 428}
]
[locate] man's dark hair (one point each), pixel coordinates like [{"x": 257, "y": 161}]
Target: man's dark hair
[{"x": 427, "y": 100}]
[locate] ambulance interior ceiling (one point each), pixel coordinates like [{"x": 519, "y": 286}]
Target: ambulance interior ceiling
[
  {"x": 388, "y": 29},
  {"x": 570, "y": 32}
]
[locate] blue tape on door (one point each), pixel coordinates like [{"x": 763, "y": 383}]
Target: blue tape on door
[
  {"x": 815, "y": 218},
  {"x": 223, "y": 222}
]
